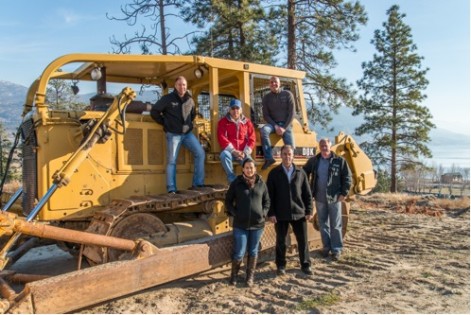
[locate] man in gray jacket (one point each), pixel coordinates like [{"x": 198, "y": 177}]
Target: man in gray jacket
[{"x": 330, "y": 179}]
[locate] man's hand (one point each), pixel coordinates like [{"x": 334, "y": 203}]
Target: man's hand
[
  {"x": 272, "y": 219},
  {"x": 309, "y": 217},
  {"x": 238, "y": 155},
  {"x": 341, "y": 198},
  {"x": 279, "y": 130}
]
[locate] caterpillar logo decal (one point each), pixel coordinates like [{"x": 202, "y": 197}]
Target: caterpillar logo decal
[{"x": 305, "y": 152}]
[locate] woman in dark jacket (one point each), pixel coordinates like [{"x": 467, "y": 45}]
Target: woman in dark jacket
[{"x": 247, "y": 201}]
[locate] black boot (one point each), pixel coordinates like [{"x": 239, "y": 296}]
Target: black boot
[
  {"x": 251, "y": 265},
  {"x": 235, "y": 271}
]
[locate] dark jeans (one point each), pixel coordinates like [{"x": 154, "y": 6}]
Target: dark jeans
[
  {"x": 246, "y": 240},
  {"x": 300, "y": 231}
]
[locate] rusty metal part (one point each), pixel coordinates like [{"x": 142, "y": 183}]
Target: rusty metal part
[
  {"x": 25, "y": 278},
  {"x": 4, "y": 305},
  {"x": 4, "y": 259},
  {"x": 180, "y": 232},
  {"x": 135, "y": 226},
  {"x": 56, "y": 233},
  {"x": 22, "y": 249},
  {"x": 6, "y": 291},
  {"x": 78, "y": 289}
]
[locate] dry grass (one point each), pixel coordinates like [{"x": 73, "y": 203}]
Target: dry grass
[
  {"x": 8, "y": 190},
  {"x": 11, "y": 186},
  {"x": 449, "y": 204},
  {"x": 404, "y": 203}
]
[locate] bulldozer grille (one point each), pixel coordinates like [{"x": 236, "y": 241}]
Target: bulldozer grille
[{"x": 29, "y": 175}]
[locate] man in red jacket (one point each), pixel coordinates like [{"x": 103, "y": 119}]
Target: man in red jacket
[{"x": 236, "y": 136}]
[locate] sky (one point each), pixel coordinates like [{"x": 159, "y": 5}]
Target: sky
[{"x": 34, "y": 33}]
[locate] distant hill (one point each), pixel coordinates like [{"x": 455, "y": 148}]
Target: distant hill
[
  {"x": 346, "y": 122},
  {"x": 13, "y": 95}
]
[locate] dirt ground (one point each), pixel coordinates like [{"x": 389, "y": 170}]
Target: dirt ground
[{"x": 404, "y": 257}]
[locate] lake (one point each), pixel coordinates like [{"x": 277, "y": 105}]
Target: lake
[{"x": 447, "y": 155}]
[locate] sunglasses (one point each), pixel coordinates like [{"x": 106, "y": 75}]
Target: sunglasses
[{"x": 235, "y": 107}]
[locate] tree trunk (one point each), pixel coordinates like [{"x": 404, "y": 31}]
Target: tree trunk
[
  {"x": 292, "y": 58},
  {"x": 163, "y": 35},
  {"x": 242, "y": 38},
  {"x": 242, "y": 42},
  {"x": 393, "y": 188}
]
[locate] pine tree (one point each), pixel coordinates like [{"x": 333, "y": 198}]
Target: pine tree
[
  {"x": 238, "y": 30},
  {"x": 4, "y": 145},
  {"x": 392, "y": 86},
  {"x": 305, "y": 32},
  {"x": 156, "y": 36},
  {"x": 10, "y": 163},
  {"x": 315, "y": 29},
  {"x": 59, "y": 95}
]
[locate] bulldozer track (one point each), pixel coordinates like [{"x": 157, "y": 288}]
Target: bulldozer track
[{"x": 104, "y": 220}]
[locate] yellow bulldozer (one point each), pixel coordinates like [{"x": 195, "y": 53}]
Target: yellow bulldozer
[{"x": 94, "y": 178}]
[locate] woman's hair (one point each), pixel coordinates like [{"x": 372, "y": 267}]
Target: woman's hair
[{"x": 248, "y": 159}]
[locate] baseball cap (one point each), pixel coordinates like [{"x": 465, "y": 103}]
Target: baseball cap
[{"x": 235, "y": 103}]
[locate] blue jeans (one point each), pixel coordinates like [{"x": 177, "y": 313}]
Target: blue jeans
[
  {"x": 174, "y": 141},
  {"x": 246, "y": 240},
  {"x": 226, "y": 162},
  {"x": 265, "y": 132},
  {"x": 330, "y": 224}
]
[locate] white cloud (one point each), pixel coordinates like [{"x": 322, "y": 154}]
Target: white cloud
[{"x": 72, "y": 18}]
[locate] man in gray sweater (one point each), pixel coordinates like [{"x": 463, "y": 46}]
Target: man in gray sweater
[{"x": 278, "y": 112}]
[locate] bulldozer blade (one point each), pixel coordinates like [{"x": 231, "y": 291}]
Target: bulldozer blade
[{"x": 79, "y": 289}]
